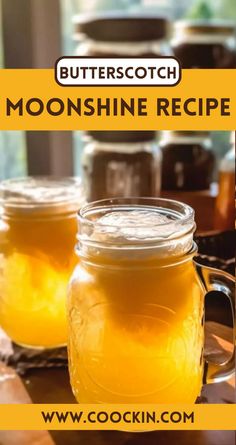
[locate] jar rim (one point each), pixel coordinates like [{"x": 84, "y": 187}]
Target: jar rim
[
  {"x": 41, "y": 194},
  {"x": 173, "y": 238},
  {"x": 182, "y": 212}
]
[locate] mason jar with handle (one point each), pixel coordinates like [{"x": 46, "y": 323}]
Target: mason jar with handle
[{"x": 136, "y": 305}]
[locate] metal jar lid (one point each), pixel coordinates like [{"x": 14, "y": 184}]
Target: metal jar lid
[
  {"x": 197, "y": 27},
  {"x": 121, "y": 136},
  {"x": 121, "y": 27}
]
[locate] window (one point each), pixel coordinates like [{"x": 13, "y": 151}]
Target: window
[
  {"x": 12, "y": 143},
  {"x": 12, "y": 154},
  {"x": 32, "y": 39}
]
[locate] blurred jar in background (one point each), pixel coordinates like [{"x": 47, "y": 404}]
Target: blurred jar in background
[
  {"x": 187, "y": 160},
  {"x": 121, "y": 34},
  {"x": 37, "y": 237},
  {"x": 199, "y": 44},
  {"x": 121, "y": 164},
  {"x": 225, "y": 203}
]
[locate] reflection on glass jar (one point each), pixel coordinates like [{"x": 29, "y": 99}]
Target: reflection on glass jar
[
  {"x": 187, "y": 160},
  {"x": 119, "y": 34},
  {"x": 37, "y": 237},
  {"x": 121, "y": 164},
  {"x": 199, "y": 44}
]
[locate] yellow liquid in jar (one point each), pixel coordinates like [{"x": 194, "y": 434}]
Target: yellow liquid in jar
[
  {"x": 36, "y": 262},
  {"x": 135, "y": 331}
]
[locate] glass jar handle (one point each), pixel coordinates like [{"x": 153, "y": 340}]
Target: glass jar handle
[{"x": 217, "y": 280}]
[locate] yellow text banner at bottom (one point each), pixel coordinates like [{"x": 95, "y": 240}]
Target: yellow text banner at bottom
[
  {"x": 117, "y": 417},
  {"x": 27, "y": 102}
]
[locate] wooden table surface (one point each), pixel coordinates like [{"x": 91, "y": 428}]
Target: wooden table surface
[
  {"x": 51, "y": 385},
  {"x": 57, "y": 386}
]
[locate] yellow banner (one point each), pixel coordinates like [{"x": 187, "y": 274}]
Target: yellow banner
[
  {"x": 117, "y": 417},
  {"x": 32, "y": 100}
]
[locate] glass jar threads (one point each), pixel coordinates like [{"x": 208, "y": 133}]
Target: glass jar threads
[
  {"x": 37, "y": 238},
  {"x": 204, "y": 44},
  {"x": 121, "y": 164},
  {"x": 119, "y": 34},
  {"x": 187, "y": 160}
]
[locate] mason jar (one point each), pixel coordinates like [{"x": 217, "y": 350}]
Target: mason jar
[
  {"x": 225, "y": 202},
  {"x": 136, "y": 305},
  {"x": 204, "y": 44},
  {"x": 188, "y": 160},
  {"x": 37, "y": 236},
  {"x": 121, "y": 34},
  {"x": 121, "y": 164}
]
